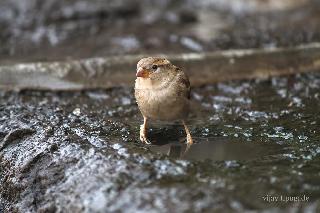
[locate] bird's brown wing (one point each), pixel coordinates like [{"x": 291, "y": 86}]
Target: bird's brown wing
[{"x": 184, "y": 83}]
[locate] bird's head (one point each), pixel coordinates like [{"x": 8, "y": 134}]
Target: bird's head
[{"x": 153, "y": 67}]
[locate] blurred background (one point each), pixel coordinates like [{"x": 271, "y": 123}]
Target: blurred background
[{"x": 37, "y": 30}]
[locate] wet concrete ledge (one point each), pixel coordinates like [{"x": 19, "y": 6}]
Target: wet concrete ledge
[{"x": 203, "y": 68}]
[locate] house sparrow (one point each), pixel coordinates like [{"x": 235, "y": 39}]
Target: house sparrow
[{"x": 162, "y": 92}]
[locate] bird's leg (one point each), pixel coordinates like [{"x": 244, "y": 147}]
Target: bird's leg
[
  {"x": 189, "y": 138},
  {"x": 143, "y": 131}
]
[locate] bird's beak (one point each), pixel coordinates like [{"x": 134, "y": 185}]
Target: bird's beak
[{"x": 143, "y": 73}]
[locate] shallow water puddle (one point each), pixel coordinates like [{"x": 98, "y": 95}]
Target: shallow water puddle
[{"x": 218, "y": 149}]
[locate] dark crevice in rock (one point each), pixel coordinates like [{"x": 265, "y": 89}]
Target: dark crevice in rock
[{"x": 15, "y": 136}]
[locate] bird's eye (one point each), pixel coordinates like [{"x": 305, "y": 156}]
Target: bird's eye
[{"x": 154, "y": 67}]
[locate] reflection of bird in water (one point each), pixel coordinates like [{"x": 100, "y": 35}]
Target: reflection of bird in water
[
  {"x": 175, "y": 151},
  {"x": 162, "y": 91}
]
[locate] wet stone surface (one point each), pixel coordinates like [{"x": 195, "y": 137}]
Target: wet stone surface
[{"x": 79, "y": 151}]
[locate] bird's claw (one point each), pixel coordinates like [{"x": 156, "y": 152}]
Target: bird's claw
[{"x": 143, "y": 137}]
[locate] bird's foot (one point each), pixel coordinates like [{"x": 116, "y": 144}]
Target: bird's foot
[
  {"x": 189, "y": 140},
  {"x": 143, "y": 137},
  {"x": 189, "y": 144}
]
